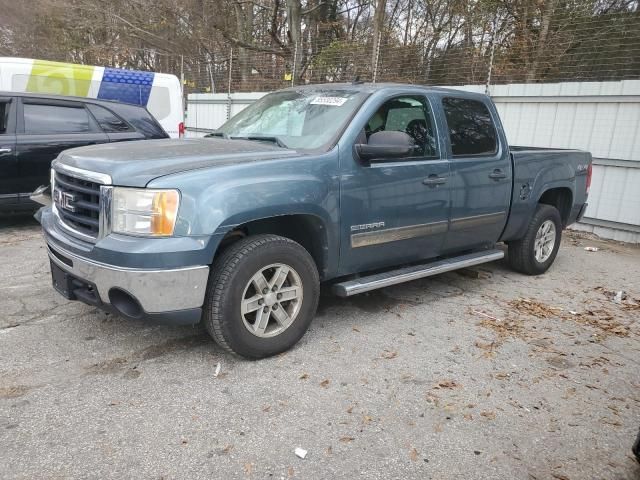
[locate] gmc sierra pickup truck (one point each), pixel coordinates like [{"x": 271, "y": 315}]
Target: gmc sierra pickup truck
[{"x": 360, "y": 186}]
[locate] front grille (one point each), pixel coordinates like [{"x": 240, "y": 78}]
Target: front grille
[{"x": 77, "y": 202}]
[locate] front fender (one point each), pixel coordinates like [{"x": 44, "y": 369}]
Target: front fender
[{"x": 214, "y": 201}]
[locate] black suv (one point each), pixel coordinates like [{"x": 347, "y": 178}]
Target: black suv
[{"x": 35, "y": 128}]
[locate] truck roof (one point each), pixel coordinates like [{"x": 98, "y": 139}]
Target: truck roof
[{"x": 375, "y": 87}]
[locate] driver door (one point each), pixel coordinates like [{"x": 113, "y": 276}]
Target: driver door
[{"x": 395, "y": 210}]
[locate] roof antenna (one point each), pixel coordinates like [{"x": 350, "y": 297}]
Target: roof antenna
[{"x": 357, "y": 81}]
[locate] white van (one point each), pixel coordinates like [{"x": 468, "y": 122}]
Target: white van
[{"x": 161, "y": 93}]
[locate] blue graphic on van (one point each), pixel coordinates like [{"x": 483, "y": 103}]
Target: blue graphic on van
[{"x": 128, "y": 86}]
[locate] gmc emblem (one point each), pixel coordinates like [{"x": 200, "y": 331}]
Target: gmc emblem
[{"x": 64, "y": 200}]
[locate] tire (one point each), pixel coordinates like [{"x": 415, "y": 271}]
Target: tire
[
  {"x": 233, "y": 285},
  {"x": 523, "y": 256}
]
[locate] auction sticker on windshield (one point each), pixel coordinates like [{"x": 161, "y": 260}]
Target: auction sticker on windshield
[{"x": 330, "y": 101}]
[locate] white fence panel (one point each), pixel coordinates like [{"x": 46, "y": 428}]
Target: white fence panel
[
  {"x": 207, "y": 111},
  {"x": 601, "y": 117}
]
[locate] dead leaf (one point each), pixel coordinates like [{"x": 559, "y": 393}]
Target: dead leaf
[
  {"x": 347, "y": 439},
  {"x": 366, "y": 419},
  {"x": 488, "y": 414},
  {"x": 266, "y": 408},
  {"x": 413, "y": 454},
  {"x": 534, "y": 308},
  {"x": 389, "y": 355},
  {"x": 350, "y": 409},
  {"x": 448, "y": 384},
  {"x": 248, "y": 468},
  {"x": 355, "y": 329},
  {"x": 468, "y": 416},
  {"x": 304, "y": 376},
  {"x": 559, "y": 476},
  {"x": 290, "y": 472},
  {"x": 227, "y": 449},
  {"x": 325, "y": 383},
  {"x": 615, "y": 423}
]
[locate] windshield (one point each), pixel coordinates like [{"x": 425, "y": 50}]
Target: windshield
[{"x": 299, "y": 119}]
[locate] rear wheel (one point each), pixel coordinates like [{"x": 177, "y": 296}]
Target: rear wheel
[
  {"x": 536, "y": 251},
  {"x": 262, "y": 295}
]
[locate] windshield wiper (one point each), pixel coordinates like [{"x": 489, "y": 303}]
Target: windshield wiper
[
  {"x": 217, "y": 134},
  {"x": 263, "y": 138}
]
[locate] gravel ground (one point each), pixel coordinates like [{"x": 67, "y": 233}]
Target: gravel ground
[{"x": 489, "y": 374}]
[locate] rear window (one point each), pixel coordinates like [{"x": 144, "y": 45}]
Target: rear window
[
  {"x": 47, "y": 119},
  {"x": 108, "y": 121},
  {"x": 141, "y": 120},
  {"x": 471, "y": 128}
]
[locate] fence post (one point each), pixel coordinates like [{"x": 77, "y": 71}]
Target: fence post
[
  {"x": 375, "y": 66},
  {"x": 491, "y": 53},
  {"x": 229, "y": 87}
]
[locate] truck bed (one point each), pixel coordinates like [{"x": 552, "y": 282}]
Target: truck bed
[{"x": 554, "y": 171}]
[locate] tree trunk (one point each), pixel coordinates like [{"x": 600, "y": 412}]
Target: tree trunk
[
  {"x": 294, "y": 22},
  {"x": 541, "y": 44}
]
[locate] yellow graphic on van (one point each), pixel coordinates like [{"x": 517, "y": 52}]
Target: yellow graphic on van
[{"x": 60, "y": 78}]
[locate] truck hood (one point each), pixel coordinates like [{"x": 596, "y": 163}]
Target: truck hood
[{"x": 135, "y": 164}]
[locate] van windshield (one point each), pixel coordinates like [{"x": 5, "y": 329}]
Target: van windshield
[{"x": 299, "y": 119}]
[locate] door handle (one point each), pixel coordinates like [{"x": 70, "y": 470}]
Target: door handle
[
  {"x": 4, "y": 150},
  {"x": 434, "y": 180},
  {"x": 497, "y": 174}
]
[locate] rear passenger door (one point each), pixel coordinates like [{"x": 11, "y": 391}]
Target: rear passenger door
[
  {"x": 8, "y": 165},
  {"x": 480, "y": 173},
  {"x": 46, "y": 128}
]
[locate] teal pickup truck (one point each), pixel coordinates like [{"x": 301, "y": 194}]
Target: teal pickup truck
[{"x": 356, "y": 185}]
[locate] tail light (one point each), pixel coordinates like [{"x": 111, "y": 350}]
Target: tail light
[
  {"x": 589, "y": 174},
  {"x": 181, "y": 129}
]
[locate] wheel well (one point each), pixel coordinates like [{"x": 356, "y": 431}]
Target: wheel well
[
  {"x": 561, "y": 198},
  {"x": 307, "y": 230}
]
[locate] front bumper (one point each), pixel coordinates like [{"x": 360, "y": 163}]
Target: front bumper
[
  {"x": 163, "y": 291},
  {"x": 167, "y": 296}
]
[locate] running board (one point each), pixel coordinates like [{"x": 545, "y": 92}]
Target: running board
[{"x": 380, "y": 280}]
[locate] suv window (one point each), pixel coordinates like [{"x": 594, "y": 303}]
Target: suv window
[
  {"x": 410, "y": 115},
  {"x": 46, "y": 119},
  {"x": 108, "y": 121},
  {"x": 4, "y": 115},
  {"x": 140, "y": 119},
  {"x": 471, "y": 128}
]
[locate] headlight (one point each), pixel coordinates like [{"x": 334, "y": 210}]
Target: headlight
[{"x": 144, "y": 211}]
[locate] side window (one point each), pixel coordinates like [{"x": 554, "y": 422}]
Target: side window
[
  {"x": 108, "y": 121},
  {"x": 48, "y": 119},
  {"x": 471, "y": 129},
  {"x": 141, "y": 120},
  {"x": 4, "y": 116},
  {"x": 410, "y": 115}
]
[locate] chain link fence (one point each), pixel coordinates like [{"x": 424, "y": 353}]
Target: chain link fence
[{"x": 593, "y": 48}]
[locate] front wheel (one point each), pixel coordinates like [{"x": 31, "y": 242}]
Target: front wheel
[
  {"x": 262, "y": 295},
  {"x": 536, "y": 251}
]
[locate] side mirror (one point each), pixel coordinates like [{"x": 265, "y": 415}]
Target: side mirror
[
  {"x": 372, "y": 153},
  {"x": 386, "y": 145}
]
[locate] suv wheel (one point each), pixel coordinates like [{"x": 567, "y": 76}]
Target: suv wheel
[
  {"x": 262, "y": 295},
  {"x": 536, "y": 251}
]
